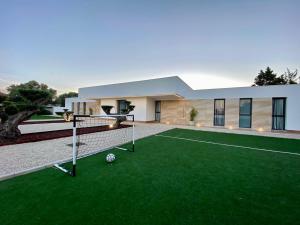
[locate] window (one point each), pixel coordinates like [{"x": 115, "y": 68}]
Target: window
[
  {"x": 122, "y": 106},
  {"x": 219, "y": 112},
  {"x": 157, "y": 110},
  {"x": 78, "y": 107},
  {"x": 278, "y": 114},
  {"x": 84, "y": 108},
  {"x": 245, "y": 112}
]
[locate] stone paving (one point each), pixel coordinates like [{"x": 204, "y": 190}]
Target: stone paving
[{"x": 23, "y": 158}]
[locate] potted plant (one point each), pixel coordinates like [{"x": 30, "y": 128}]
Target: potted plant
[
  {"x": 193, "y": 114},
  {"x": 68, "y": 115}
]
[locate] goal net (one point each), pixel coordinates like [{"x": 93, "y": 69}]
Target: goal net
[{"x": 97, "y": 133}]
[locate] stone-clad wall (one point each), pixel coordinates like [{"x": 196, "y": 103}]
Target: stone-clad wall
[
  {"x": 262, "y": 113},
  {"x": 205, "y": 109},
  {"x": 232, "y": 111},
  {"x": 174, "y": 112},
  {"x": 177, "y": 112}
]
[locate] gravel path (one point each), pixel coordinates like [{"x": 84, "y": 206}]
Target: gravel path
[
  {"x": 23, "y": 158},
  {"x": 33, "y": 128}
]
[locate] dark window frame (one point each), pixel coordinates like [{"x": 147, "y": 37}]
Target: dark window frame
[
  {"x": 84, "y": 108},
  {"x": 281, "y": 116},
  {"x": 78, "y": 107},
  {"x": 242, "y": 114},
  {"x": 217, "y": 99},
  {"x": 118, "y": 105},
  {"x": 157, "y": 112}
]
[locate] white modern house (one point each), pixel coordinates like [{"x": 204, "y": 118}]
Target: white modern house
[{"x": 170, "y": 100}]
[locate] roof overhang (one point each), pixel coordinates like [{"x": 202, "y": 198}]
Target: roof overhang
[
  {"x": 154, "y": 96},
  {"x": 82, "y": 100},
  {"x": 167, "y": 97}
]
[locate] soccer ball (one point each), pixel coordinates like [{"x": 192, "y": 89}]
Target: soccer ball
[{"x": 110, "y": 158}]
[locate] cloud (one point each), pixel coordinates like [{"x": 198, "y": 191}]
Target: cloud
[{"x": 208, "y": 81}]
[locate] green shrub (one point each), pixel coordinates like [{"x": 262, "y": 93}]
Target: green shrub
[
  {"x": 91, "y": 111},
  {"x": 193, "y": 114}
]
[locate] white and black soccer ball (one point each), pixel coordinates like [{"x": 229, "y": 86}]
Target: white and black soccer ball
[{"x": 110, "y": 158}]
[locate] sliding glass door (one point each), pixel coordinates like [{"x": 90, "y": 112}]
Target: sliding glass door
[
  {"x": 278, "y": 114},
  {"x": 219, "y": 112}
]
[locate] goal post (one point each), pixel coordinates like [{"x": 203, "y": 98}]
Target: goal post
[{"x": 96, "y": 133}]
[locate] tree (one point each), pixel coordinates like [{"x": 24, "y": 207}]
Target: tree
[
  {"x": 22, "y": 102},
  {"x": 290, "y": 77},
  {"x": 2, "y": 97},
  {"x": 267, "y": 77},
  {"x": 14, "y": 95},
  {"x": 60, "y": 100}
]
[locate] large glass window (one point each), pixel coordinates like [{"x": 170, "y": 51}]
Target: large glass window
[
  {"x": 219, "y": 112},
  {"x": 245, "y": 112},
  {"x": 122, "y": 106},
  {"x": 278, "y": 114}
]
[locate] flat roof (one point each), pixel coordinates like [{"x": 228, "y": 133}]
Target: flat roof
[
  {"x": 153, "y": 87},
  {"x": 174, "y": 87}
]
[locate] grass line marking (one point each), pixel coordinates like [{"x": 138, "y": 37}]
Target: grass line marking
[
  {"x": 228, "y": 145},
  {"x": 124, "y": 149}
]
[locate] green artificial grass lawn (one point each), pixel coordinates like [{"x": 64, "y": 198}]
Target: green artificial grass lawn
[
  {"x": 166, "y": 181},
  {"x": 45, "y": 117}
]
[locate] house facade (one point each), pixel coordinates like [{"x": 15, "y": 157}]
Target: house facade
[{"x": 169, "y": 100}]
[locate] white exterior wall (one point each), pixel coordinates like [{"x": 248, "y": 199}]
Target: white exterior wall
[
  {"x": 140, "y": 110},
  {"x": 150, "y": 116},
  {"x": 112, "y": 102},
  {"x": 143, "y": 111},
  {"x": 145, "y": 106},
  {"x": 68, "y": 103},
  {"x": 293, "y": 113},
  {"x": 291, "y": 92}
]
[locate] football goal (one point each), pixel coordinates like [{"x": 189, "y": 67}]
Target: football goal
[{"x": 96, "y": 133}]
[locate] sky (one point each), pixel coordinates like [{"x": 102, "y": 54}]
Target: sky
[{"x": 69, "y": 44}]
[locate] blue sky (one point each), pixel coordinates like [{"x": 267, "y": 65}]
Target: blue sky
[{"x": 70, "y": 44}]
